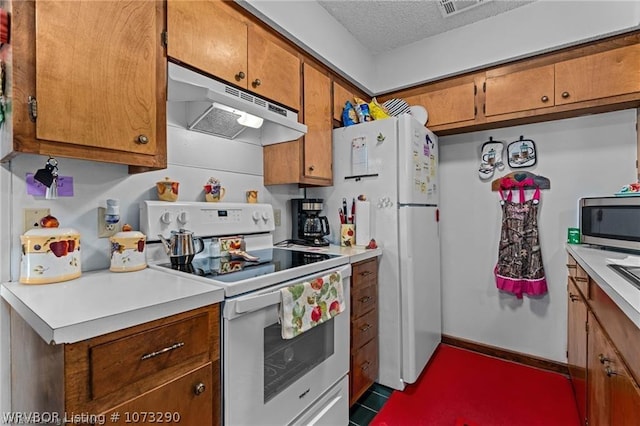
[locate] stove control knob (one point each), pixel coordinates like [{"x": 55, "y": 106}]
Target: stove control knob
[
  {"x": 256, "y": 216},
  {"x": 183, "y": 217},
  {"x": 166, "y": 218},
  {"x": 265, "y": 217}
]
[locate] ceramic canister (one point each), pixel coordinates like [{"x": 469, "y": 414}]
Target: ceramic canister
[
  {"x": 128, "y": 251},
  {"x": 50, "y": 255}
]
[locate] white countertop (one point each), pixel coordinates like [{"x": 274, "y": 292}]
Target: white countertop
[
  {"x": 594, "y": 261},
  {"x": 101, "y": 302},
  {"x": 355, "y": 253}
]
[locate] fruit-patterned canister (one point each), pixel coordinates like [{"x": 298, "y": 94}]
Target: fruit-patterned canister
[
  {"x": 128, "y": 251},
  {"x": 50, "y": 255}
]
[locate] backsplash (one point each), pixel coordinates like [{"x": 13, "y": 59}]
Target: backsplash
[{"x": 193, "y": 159}]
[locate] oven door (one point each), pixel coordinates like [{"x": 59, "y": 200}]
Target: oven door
[{"x": 271, "y": 381}]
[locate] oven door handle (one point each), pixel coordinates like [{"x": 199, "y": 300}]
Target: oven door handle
[{"x": 254, "y": 303}]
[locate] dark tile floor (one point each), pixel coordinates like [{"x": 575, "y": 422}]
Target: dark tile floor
[{"x": 368, "y": 405}]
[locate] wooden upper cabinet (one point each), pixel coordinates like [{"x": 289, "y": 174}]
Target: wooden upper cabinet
[
  {"x": 448, "y": 105},
  {"x": 519, "y": 91},
  {"x": 97, "y": 73},
  {"x": 95, "y": 78},
  {"x": 601, "y": 75},
  {"x": 317, "y": 117},
  {"x": 205, "y": 35},
  {"x": 215, "y": 38},
  {"x": 274, "y": 72},
  {"x": 340, "y": 96}
]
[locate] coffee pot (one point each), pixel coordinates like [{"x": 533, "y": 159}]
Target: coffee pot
[{"x": 181, "y": 246}]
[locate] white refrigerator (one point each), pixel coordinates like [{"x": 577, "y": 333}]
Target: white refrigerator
[{"x": 394, "y": 164}]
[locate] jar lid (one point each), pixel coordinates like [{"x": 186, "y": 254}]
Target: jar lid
[
  {"x": 51, "y": 232},
  {"x": 129, "y": 234}
]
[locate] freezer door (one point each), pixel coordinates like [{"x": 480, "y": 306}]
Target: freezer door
[
  {"x": 419, "y": 288},
  {"x": 417, "y": 163}
]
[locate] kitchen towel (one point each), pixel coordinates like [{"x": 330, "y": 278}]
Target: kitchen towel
[
  {"x": 309, "y": 303},
  {"x": 363, "y": 223}
]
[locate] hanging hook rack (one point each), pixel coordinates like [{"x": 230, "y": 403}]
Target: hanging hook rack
[{"x": 538, "y": 180}]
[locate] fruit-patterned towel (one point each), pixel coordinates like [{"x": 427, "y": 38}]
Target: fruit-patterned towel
[{"x": 309, "y": 303}]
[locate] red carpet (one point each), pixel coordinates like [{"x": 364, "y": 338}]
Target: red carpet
[{"x": 461, "y": 387}]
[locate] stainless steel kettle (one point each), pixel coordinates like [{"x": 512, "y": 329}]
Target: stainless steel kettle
[{"x": 181, "y": 246}]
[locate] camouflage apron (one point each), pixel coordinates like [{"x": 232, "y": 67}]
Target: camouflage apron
[{"x": 519, "y": 269}]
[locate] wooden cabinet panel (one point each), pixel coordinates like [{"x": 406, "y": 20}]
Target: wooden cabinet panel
[
  {"x": 611, "y": 73},
  {"x": 273, "y": 71},
  {"x": 123, "y": 361},
  {"x": 364, "y": 370},
  {"x": 340, "y": 96},
  {"x": 205, "y": 35},
  {"x": 578, "y": 276},
  {"x": 520, "y": 91},
  {"x": 364, "y": 327},
  {"x": 98, "y": 74},
  {"x": 451, "y": 105},
  {"x": 187, "y": 400},
  {"x": 577, "y": 347},
  {"x": 599, "y": 396},
  {"x": 317, "y": 116},
  {"x": 625, "y": 398}
]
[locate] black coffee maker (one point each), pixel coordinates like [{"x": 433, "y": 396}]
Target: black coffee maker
[{"x": 308, "y": 227}]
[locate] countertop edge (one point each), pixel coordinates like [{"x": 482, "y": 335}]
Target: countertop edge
[{"x": 625, "y": 306}]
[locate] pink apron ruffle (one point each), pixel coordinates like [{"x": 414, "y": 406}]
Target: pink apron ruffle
[{"x": 520, "y": 286}]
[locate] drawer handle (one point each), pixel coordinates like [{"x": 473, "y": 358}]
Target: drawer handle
[
  {"x": 364, "y": 299},
  {"x": 581, "y": 279},
  {"x": 365, "y": 327},
  {"x": 199, "y": 389},
  {"x": 603, "y": 359},
  {"x": 365, "y": 366},
  {"x": 571, "y": 266},
  {"x": 365, "y": 273},
  {"x": 573, "y": 297},
  {"x": 161, "y": 351},
  {"x": 610, "y": 371}
]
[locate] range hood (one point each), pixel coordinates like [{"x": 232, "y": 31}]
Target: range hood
[{"x": 218, "y": 109}]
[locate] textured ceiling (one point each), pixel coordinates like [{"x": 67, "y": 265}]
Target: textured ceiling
[{"x": 384, "y": 25}]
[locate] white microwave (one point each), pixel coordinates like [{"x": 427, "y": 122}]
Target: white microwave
[{"x": 610, "y": 221}]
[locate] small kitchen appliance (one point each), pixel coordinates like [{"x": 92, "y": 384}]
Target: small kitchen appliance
[
  {"x": 308, "y": 227},
  {"x": 302, "y": 380},
  {"x": 611, "y": 221}
]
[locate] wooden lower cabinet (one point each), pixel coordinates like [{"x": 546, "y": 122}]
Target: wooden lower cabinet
[
  {"x": 364, "y": 328},
  {"x": 164, "y": 371},
  {"x": 602, "y": 340}
]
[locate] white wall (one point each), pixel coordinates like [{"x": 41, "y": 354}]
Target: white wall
[
  {"x": 524, "y": 31},
  {"x": 591, "y": 155}
]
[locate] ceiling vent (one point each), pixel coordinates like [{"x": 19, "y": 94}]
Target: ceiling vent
[{"x": 453, "y": 7}]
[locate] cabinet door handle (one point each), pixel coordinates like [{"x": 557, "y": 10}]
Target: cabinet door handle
[
  {"x": 581, "y": 279},
  {"x": 364, "y": 299},
  {"x": 199, "y": 388},
  {"x": 312, "y": 168},
  {"x": 610, "y": 371},
  {"x": 565, "y": 95},
  {"x": 573, "y": 297},
  {"x": 161, "y": 351},
  {"x": 240, "y": 76},
  {"x": 544, "y": 99},
  {"x": 256, "y": 83},
  {"x": 365, "y": 327},
  {"x": 603, "y": 359},
  {"x": 365, "y": 366},
  {"x": 142, "y": 139}
]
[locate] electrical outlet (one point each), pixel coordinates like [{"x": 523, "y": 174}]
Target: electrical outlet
[
  {"x": 277, "y": 217},
  {"x": 32, "y": 218},
  {"x": 105, "y": 230}
]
